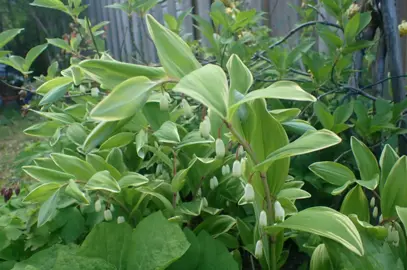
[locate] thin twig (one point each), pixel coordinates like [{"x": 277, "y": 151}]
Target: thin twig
[
  {"x": 317, "y": 11},
  {"x": 359, "y": 91},
  {"x": 93, "y": 37},
  {"x": 383, "y": 80}
]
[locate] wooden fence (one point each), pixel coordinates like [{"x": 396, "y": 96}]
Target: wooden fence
[{"x": 281, "y": 19}]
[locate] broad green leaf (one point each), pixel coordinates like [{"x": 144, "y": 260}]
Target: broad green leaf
[
  {"x": 48, "y": 209},
  {"x": 209, "y": 253},
  {"x": 342, "y": 113},
  {"x": 179, "y": 180},
  {"x": 323, "y": 114},
  {"x": 4, "y": 53},
  {"x": 98, "y": 135},
  {"x": 44, "y": 129},
  {"x": 320, "y": 259},
  {"x": 241, "y": 79},
  {"x": 193, "y": 208},
  {"x": 33, "y": 54},
  {"x": 298, "y": 51},
  {"x": 298, "y": 126},
  {"x": 141, "y": 140},
  {"x": 168, "y": 133},
  {"x": 62, "y": 257},
  {"x": 8, "y": 35},
  {"x": 351, "y": 28},
  {"x": 310, "y": 142},
  {"x": 194, "y": 138},
  {"x": 162, "y": 202},
  {"x": 112, "y": 73},
  {"x": 103, "y": 181},
  {"x": 116, "y": 159},
  {"x": 60, "y": 117},
  {"x": 60, "y": 43},
  {"x": 74, "y": 228},
  {"x": 100, "y": 164},
  {"x": 355, "y": 202},
  {"x": 332, "y": 172},
  {"x": 119, "y": 140},
  {"x": 123, "y": 7},
  {"x": 76, "y": 133},
  {"x": 367, "y": 164},
  {"x": 209, "y": 86},
  {"x": 42, "y": 193},
  {"x": 108, "y": 241},
  {"x": 216, "y": 225},
  {"x": 132, "y": 179},
  {"x": 395, "y": 189},
  {"x": 55, "y": 94},
  {"x": 151, "y": 249},
  {"x": 280, "y": 90},
  {"x": 73, "y": 165},
  {"x": 73, "y": 190},
  {"x": 175, "y": 55},
  {"x": 293, "y": 194},
  {"x": 59, "y": 82},
  {"x": 402, "y": 214},
  {"x": 387, "y": 160},
  {"x": 46, "y": 175},
  {"x": 328, "y": 223},
  {"x": 284, "y": 115},
  {"x": 125, "y": 100}
]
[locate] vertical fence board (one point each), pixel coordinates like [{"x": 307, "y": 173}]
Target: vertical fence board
[
  {"x": 188, "y": 27},
  {"x": 118, "y": 14},
  {"x": 203, "y": 11},
  {"x": 172, "y": 7}
]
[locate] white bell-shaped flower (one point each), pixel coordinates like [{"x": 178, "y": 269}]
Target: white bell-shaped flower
[
  {"x": 220, "y": 148},
  {"x": 205, "y": 128},
  {"x": 372, "y": 202},
  {"x": 279, "y": 212},
  {"x": 237, "y": 169},
  {"x": 94, "y": 92},
  {"x": 258, "y": 252},
  {"x": 187, "y": 108},
  {"x": 248, "y": 193},
  {"x": 108, "y": 215},
  {"x": 375, "y": 212},
  {"x": 263, "y": 219},
  {"x": 213, "y": 183},
  {"x": 120, "y": 220},
  {"x": 98, "y": 205}
]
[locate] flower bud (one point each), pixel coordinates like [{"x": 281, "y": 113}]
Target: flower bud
[
  {"x": 204, "y": 202},
  {"x": 94, "y": 92},
  {"x": 396, "y": 238},
  {"x": 248, "y": 193},
  {"x": 98, "y": 205},
  {"x": 380, "y": 219},
  {"x": 213, "y": 183},
  {"x": 111, "y": 208},
  {"x": 279, "y": 212},
  {"x": 240, "y": 151},
  {"x": 220, "y": 148},
  {"x": 372, "y": 202},
  {"x": 205, "y": 128},
  {"x": 244, "y": 165},
  {"x": 164, "y": 103},
  {"x": 187, "y": 108},
  {"x": 199, "y": 193},
  {"x": 108, "y": 215},
  {"x": 82, "y": 88},
  {"x": 258, "y": 252},
  {"x": 375, "y": 212},
  {"x": 263, "y": 219},
  {"x": 237, "y": 169},
  {"x": 120, "y": 220}
]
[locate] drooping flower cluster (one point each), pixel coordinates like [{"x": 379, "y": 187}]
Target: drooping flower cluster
[
  {"x": 352, "y": 10},
  {"x": 403, "y": 28}
]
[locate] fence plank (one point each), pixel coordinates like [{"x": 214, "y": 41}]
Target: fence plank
[
  {"x": 188, "y": 27},
  {"x": 203, "y": 11},
  {"x": 118, "y": 14},
  {"x": 172, "y": 7}
]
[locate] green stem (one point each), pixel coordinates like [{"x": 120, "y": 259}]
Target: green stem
[{"x": 269, "y": 199}]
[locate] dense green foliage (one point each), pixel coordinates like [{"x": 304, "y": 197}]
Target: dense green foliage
[{"x": 230, "y": 156}]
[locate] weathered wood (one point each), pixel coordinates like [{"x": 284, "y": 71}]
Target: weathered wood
[{"x": 203, "y": 8}]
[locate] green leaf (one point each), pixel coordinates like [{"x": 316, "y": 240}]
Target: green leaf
[
  {"x": 55, "y": 94},
  {"x": 310, "y": 142},
  {"x": 132, "y": 179},
  {"x": 395, "y": 189},
  {"x": 76, "y": 133},
  {"x": 280, "y": 90},
  {"x": 112, "y": 73},
  {"x": 367, "y": 164},
  {"x": 328, "y": 223},
  {"x": 108, "y": 241},
  {"x": 342, "y": 113},
  {"x": 32, "y": 55},
  {"x": 320, "y": 259},
  {"x": 168, "y": 133},
  {"x": 98, "y": 135},
  {"x": 60, "y": 43},
  {"x": 402, "y": 214},
  {"x": 73, "y": 190},
  {"x": 216, "y": 225},
  {"x": 387, "y": 160},
  {"x": 209, "y": 86},
  {"x": 332, "y": 172},
  {"x": 175, "y": 55},
  {"x": 185, "y": 262},
  {"x": 8, "y": 35},
  {"x": 357, "y": 45},
  {"x": 48, "y": 209},
  {"x": 284, "y": 115},
  {"x": 355, "y": 202},
  {"x": 100, "y": 164},
  {"x": 119, "y": 140},
  {"x": 125, "y": 100},
  {"x": 42, "y": 193},
  {"x": 293, "y": 194},
  {"x": 60, "y": 117},
  {"x": 44, "y": 129},
  {"x": 116, "y": 159},
  {"x": 298, "y": 126},
  {"x": 323, "y": 114},
  {"x": 46, "y": 175},
  {"x": 103, "y": 181},
  {"x": 241, "y": 79},
  {"x": 53, "y": 84},
  {"x": 73, "y": 165},
  {"x": 351, "y": 29},
  {"x": 194, "y": 138},
  {"x": 150, "y": 248},
  {"x": 62, "y": 257},
  {"x": 74, "y": 226}
]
